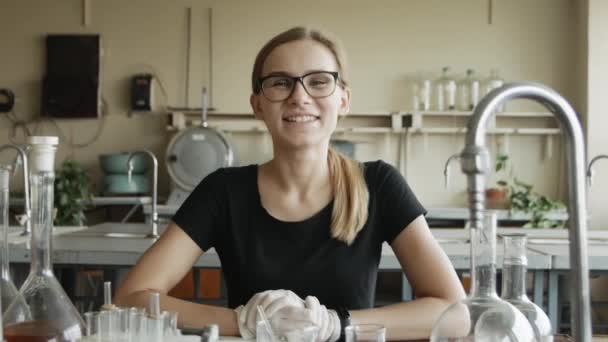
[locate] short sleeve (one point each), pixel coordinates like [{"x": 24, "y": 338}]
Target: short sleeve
[
  {"x": 397, "y": 204},
  {"x": 203, "y": 213}
]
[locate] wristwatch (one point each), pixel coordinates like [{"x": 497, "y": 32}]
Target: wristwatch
[{"x": 344, "y": 317}]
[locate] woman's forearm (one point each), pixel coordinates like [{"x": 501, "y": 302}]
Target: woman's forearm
[
  {"x": 409, "y": 320},
  {"x": 190, "y": 315}
]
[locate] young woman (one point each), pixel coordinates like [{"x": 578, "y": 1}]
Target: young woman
[{"x": 301, "y": 235}]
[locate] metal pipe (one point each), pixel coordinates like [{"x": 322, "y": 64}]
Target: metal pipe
[
  {"x": 27, "y": 228},
  {"x": 154, "y": 233},
  {"x": 590, "y": 167},
  {"x": 446, "y": 169},
  {"x": 475, "y": 163}
]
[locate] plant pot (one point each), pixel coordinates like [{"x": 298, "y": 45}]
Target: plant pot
[{"x": 496, "y": 198}]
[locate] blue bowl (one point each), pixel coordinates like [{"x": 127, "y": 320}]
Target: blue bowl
[{"x": 116, "y": 163}]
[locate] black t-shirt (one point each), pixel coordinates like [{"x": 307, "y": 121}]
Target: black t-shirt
[{"x": 259, "y": 252}]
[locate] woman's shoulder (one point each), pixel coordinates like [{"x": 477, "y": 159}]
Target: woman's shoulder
[
  {"x": 378, "y": 168},
  {"x": 226, "y": 177}
]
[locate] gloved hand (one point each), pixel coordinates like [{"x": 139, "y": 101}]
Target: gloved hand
[
  {"x": 291, "y": 317},
  {"x": 270, "y": 302}
]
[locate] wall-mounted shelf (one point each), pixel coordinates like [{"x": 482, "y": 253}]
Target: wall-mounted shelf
[{"x": 398, "y": 122}]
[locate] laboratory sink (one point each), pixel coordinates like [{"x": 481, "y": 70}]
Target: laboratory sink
[
  {"x": 564, "y": 241},
  {"x": 15, "y": 237},
  {"x": 117, "y": 230}
]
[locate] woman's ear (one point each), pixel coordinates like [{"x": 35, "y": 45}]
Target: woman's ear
[
  {"x": 345, "y": 102},
  {"x": 254, "y": 100}
]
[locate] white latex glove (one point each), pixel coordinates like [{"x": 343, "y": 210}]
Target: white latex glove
[
  {"x": 270, "y": 301},
  {"x": 290, "y": 318},
  {"x": 327, "y": 320}
]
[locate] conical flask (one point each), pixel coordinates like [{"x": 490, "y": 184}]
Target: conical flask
[
  {"x": 53, "y": 316},
  {"x": 483, "y": 316},
  {"x": 8, "y": 289},
  {"x": 514, "y": 285}
]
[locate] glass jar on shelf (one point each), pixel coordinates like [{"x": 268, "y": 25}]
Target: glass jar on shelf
[
  {"x": 445, "y": 91},
  {"x": 53, "y": 316},
  {"x": 483, "y": 315},
  {"x": 420, "y": 87},
  {"x": 514, "y": 269},
  {"x": 493, "y": 82}
]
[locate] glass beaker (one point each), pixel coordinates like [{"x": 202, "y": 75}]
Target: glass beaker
[
  {"x": 483, "y": 316},
  {"x": 53, "y": 316},
  {"x": 365, "y": 332},
  {"x": 514, "y": 285}
]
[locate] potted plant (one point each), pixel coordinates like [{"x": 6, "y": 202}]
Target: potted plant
[
  {"x": 496, "y": 197},
  {"x": 72, "y": 194},
  {"x": 521, "y": 197}
]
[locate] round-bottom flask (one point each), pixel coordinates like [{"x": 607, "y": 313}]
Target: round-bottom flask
[
  {"x": 53, "y": 316},
  {"x": 514, "y": 286},
  {"x": 483, "y": 316}
]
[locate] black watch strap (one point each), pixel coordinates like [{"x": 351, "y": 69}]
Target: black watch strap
[{"x": 344, "y": 317}]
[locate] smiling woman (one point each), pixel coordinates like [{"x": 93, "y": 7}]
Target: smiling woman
[{"x": 300, "y": 236}]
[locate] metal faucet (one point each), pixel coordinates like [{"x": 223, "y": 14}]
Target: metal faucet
[
  {"x": 475, "y": 164},
  {"x": 590, "y": 167},
  {"x": 446, "y": 169},
  {"x": 27, "y": 228},
  {"x": 154, "y": 233}
]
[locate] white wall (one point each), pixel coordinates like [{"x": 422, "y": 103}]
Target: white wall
[
  {"x": 386, "y": 42},
  {"x": 597, "y": 122}
]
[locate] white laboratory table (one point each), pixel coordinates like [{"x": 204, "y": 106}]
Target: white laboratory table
[
  {"x": 121, "y": 245},
  {"x": 597, "y": 254}
]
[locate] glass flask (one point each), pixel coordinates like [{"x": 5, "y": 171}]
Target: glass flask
[
  {"x": 483, "y": 315},
  {"x": 514, "y": 285},
  {"x": 7, "y": 287},
  {"x": 53, "y": 316}
]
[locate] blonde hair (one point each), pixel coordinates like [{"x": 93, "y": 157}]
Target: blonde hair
[{"x": 351, "y": 196}]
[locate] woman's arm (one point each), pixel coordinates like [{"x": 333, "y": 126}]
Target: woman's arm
[
  {"x": 432, "y": 277},
  {"x": 162, "y": 266}
]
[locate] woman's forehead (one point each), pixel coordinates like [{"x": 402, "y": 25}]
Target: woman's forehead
[{"x": 299, "y": 57}]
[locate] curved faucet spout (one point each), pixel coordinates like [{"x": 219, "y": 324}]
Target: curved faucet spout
[
  {"x": 154, "y": 233},
  {"x": 446, "y": 169},
  {"x": 475, "y": 163},
  {"x": 26, "y": 186},
  {"x": 590, "y": 167}
]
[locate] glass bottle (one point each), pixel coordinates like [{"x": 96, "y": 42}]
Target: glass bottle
[
  {"x": 473, "y": 87},
  {"x": 482, "y": 316},
  {"x": 7, "y": 287},
  {"x": 514, "y": 285},
  {"x": 445, "y": 91},
  {"x": 493, "y": 82},
  {"x": 463, "y": 95},
  {"x": 53, "y": 316}
]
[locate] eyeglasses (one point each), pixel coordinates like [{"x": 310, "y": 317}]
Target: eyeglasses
[{"x": 317, "y": 84}]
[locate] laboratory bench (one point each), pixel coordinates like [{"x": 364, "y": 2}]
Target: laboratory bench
[{"x": 119, "y": 245}]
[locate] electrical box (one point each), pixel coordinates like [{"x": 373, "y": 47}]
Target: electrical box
[{"x": 71, "y": 86}]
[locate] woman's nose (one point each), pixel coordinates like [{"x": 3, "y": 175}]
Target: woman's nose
[{"x": 299, "y": 94}]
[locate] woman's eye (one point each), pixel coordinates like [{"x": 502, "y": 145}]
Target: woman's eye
[
  {"x": 318, "y": 83},
  {"x": 280, "y": 83}
]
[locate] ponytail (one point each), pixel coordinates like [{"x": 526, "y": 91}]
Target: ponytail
[{"x": 351, "y": 197}]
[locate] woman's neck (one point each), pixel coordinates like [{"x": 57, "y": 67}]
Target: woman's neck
[{"x": 300, "y": 173}]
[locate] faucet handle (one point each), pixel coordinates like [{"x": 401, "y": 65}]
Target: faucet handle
[{"x": 22, "y": 219}]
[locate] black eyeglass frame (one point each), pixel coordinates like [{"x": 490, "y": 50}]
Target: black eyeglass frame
[{"x": 334, "y": 74}]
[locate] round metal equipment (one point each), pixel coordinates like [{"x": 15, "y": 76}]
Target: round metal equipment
[{"x": 196, "y": 152}]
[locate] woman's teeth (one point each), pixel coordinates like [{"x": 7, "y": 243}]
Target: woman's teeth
[{"x": 300, "y": 118}]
